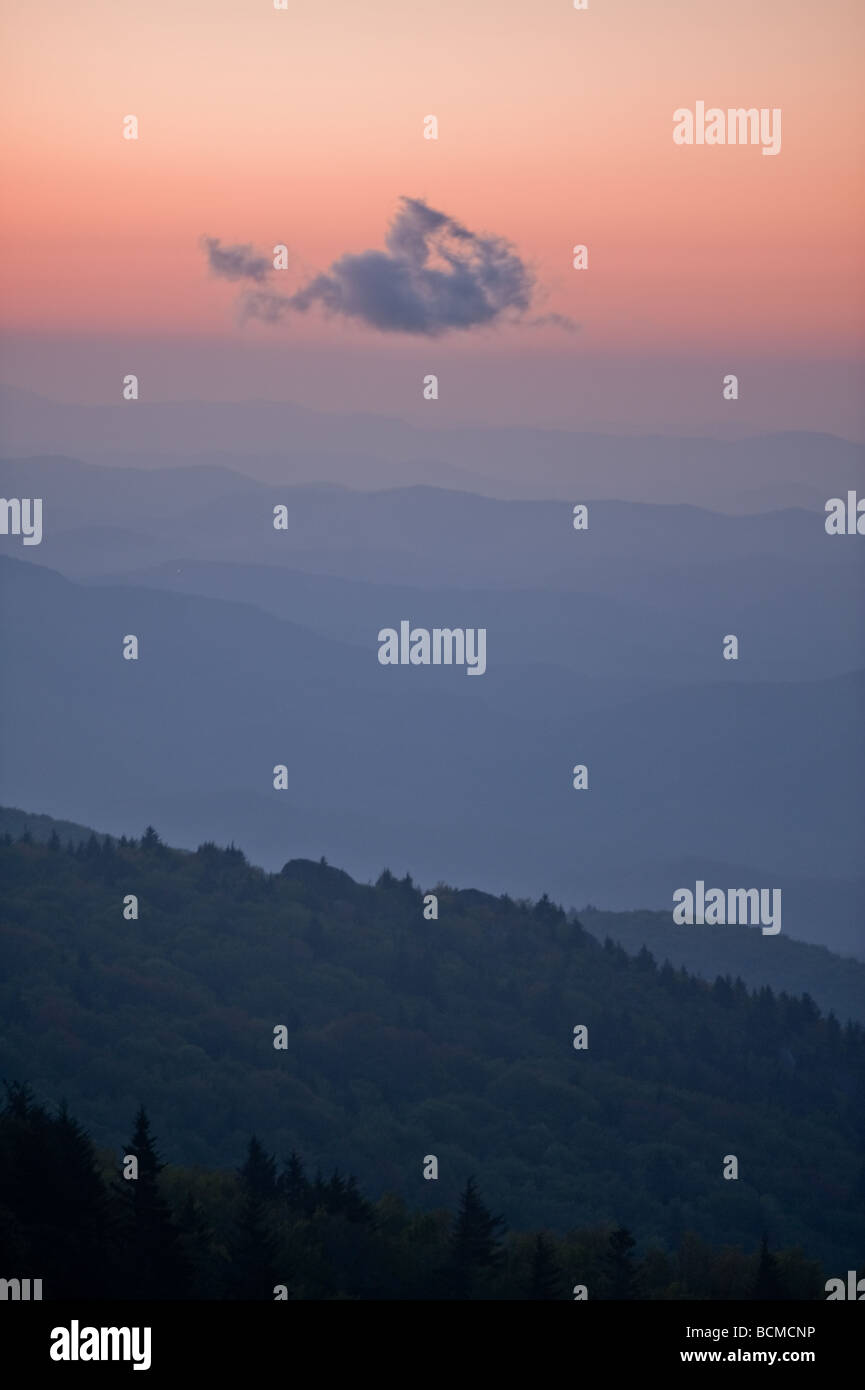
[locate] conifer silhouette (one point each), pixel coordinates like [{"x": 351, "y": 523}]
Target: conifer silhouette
[
  {"x": 767, "y": 1282},
  {"x": 546, "y": 1280},
  {"x": 156, "y": 1266},
  {"x": 475, "y": 1242}
]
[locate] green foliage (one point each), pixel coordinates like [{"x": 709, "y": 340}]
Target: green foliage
[
  {"x": 408, "y": 1037},
  {"x": 474, "y": 1246},
  {"x": 723, "y": 955},
  {"x": 213, "y": 1236},
  {"x": 151, "y": 1238},
  {"x": 619, "y": 1266},
  {"x": 767, "y": 1283},
  {"x": 546, "y": 1279}
]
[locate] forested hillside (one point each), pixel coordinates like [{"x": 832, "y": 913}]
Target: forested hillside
[
  {"x": 408, "y": 1037},
  {"x": 91, "y": 1224},
  {"x": 836, "y": 983},
  {"x": 440, "y": 775}
]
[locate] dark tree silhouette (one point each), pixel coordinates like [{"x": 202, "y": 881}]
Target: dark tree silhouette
[
  {"x": 53, "y": 1207},
  {"x": 546, "y": 1279},
  {"x": 767, "y": 1283},
  {"x": 259, "y": 1172},
  {"x": 619, "y": 1268},
  {"x": 294, "y": 1186},
  {"x": 155, "y": 1265},
  {"x": 253, "y": 1272},
  {"x": 152, "y": 845},
  {"x": 61, "y": 1222},
  {"x": 475, "y": 1243},
  {"x": 355, "y": 1206}
]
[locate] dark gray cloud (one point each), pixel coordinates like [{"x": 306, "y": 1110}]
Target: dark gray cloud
[
  {"x": 235, "y": 262},
  {"x": 555, "y": 321},
  {"x": 433, "y": 276}
]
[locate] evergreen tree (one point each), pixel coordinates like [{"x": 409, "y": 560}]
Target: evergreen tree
[
  {"x": 767, "y": 1283},
  {"x": 150, "y": 841},
  {"x": 618, "y": 1264},
  {"x": 546, "y": 1280},
  {"x": 546, "y": 911},
  {"x": 53, "y": 1203},
  {"x": 195, "y": 1242},
  {"x": 645, "y": 960},
  {"x": 259, "y": 1172},
  {"x": 475, "y": 1243},
  {"x": 318, "y": 1193},
  {"x": 109, "y": 864},
  {"x": 335, "y": 1198},
  {"x": 294, "y": 1186},
  {"x": 155, "y": 1265},
  {"x": 356, "y": 1207},
  {"x": 252, "y": 1251},
  {"x": 77, "y": 1212}
]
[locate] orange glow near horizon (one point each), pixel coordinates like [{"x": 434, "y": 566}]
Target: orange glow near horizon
[{"x": 305, "y": 127}]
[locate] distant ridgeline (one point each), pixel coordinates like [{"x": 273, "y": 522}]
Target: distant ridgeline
[
  {"x": 836, "y": 983},
  {"x": 374, "y": 1028}
]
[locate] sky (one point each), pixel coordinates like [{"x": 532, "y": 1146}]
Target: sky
[{"x": 305, "y": 127}]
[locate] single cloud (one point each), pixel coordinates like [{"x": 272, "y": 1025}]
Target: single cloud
[
  {"x": 235, "y": 262},
  {"x": 434, "y": 276},
  {"x": 555, "y": 321}
]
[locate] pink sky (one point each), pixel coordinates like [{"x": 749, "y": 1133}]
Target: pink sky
[{"x": 305, "y": 127}]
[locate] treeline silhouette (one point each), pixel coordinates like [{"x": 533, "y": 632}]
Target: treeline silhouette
[
  {"x": 82, "y": 1223},
  {"x": 408, "y": 1036}
]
